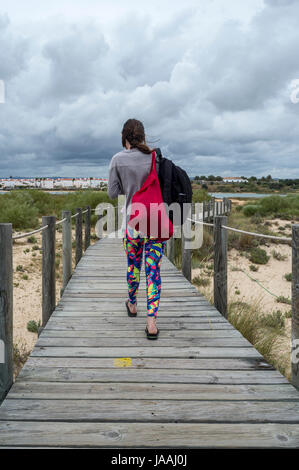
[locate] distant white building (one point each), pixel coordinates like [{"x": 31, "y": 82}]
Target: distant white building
[
  {"x": 82, "y": 182},
  {"x": 234, "y": 179},
  {"x": 64, "y": 183},
  {"x": 53, "y": 183},
  {"x": 47, "y": 183},
  {"x": 8, "y": 183}
]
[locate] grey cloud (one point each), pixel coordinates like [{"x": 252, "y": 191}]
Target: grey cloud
[{"x": 215, "y": 103}]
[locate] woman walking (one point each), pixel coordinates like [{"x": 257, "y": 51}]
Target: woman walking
[{"x": 127, "y": 172}]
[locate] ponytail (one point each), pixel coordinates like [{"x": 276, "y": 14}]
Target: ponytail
[{"x": 133, "y": 132}]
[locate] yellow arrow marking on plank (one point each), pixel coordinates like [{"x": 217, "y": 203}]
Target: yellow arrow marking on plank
[{"x": 122, "y": 362}]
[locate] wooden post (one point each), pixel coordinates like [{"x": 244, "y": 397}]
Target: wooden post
[
  {"x": 48, "y": 268},
  {"x": 66, "y": 248},
  {"x": 87, "y": 228},
  {"x": 170, "y": 249},
  {"x": 220, "y": 265},
  {"x": 78, "y": 235},
  {"x": 209, "y": 211},
  {"x": 6, "y": 310},
  {"x": 116, "y": 218},
  {"x": 224, "y": 201},
  {"x": 214, "y": 208},
  {"x": 186, "y": 253},
  {"x": 295, "y": 305}
]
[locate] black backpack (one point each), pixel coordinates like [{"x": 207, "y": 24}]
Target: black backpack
[{"x": 175, "y": 184}]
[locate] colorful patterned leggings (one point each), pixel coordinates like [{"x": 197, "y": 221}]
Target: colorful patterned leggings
[{"x": 153, "y": 252}]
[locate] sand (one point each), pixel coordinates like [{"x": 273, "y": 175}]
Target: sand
[
  {"x": 270, "y": 275},
  {"x": 27, "y": 293},
  {"x": 242, "y": 286}
]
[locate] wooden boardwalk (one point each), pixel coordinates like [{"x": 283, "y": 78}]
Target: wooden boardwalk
[{"x": 94, "y": 380}]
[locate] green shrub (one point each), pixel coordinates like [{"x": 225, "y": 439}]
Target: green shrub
[
  {"x": 283, "y": 300},
  {"x": 201, "y": 281},
  {"x": 279, "y": 206},
  {"x": 23, "y": 207},
  {"x": 278, "y": 255},
  {"x": 19, "y": 210},
  {"x": 250, "y": 209},
  {"x": 273, "y": 320},
  {"x": 200, "y": 195},
  {"x": 20, "y": 268},
  {"x": 254, "y": 268},
  {"x": 258, "y": 256},
  {"x": 25, "y": 277},
  {"x": 31, "y": 239},
  {"x": 288, "y": 314},
  {"x": 288, "y": 277},
  {"x": 32, "y": 326}
]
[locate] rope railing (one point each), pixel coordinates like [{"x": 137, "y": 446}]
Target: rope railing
[
  {"x": 220, "y": 261},
  {"x": 48, "y": 273},
  {"x": 24, "y": 235},
  {"x": 201, "y": 222},
  {"x": 286, "y": 239},
  {"x": 61, "y": 221}
]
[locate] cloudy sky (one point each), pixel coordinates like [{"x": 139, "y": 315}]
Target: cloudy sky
[{"x": 210, "y": 79}]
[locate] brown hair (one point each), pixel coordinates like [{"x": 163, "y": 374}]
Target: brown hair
[{"x": 133, "y": 132}]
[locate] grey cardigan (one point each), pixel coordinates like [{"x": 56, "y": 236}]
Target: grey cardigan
[{"x": 128, "y": 171}]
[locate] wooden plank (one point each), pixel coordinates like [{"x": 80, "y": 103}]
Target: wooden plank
[
  {"x": 201, "y": 372},
  {"x": 127, "y": 374},
  {"x": 104, "y": 341},
  {"x": 74, "y": 324},
  {"x": 152, "y": 363},
  {"x": 107, "y": 313},
  {"x": 146, "y": 351},
  {"x": 149, "y": 411},
  {"x": 133, "y": 333},
  {"x": 154, "y": 391},
  {"x": 149, "y": 435}
]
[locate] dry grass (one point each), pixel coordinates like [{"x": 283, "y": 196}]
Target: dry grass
[
  {"x": 252, "y": 310},
  {"x": 268, "y": 333}
]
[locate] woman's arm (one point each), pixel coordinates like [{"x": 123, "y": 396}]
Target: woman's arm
[{"x": 114, "y": 181}]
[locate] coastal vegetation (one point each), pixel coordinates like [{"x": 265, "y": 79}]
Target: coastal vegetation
[
  {"x": 258, "y": 274},
  {"x": 286, "y": 207},
  {"x": 24, "y": 208},
  {"x": 265, "y": 184}
]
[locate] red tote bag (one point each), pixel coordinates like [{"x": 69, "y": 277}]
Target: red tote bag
[{"x": 148, "y": 213}]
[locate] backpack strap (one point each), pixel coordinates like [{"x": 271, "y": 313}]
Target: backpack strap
[
  {"x": 159, "y": 154},
  {"x": 153, "y": 165}
]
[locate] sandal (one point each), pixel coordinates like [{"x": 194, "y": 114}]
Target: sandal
[
  {"x": 130, "y": 314},
  {"x": 151, "y": 335}
]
